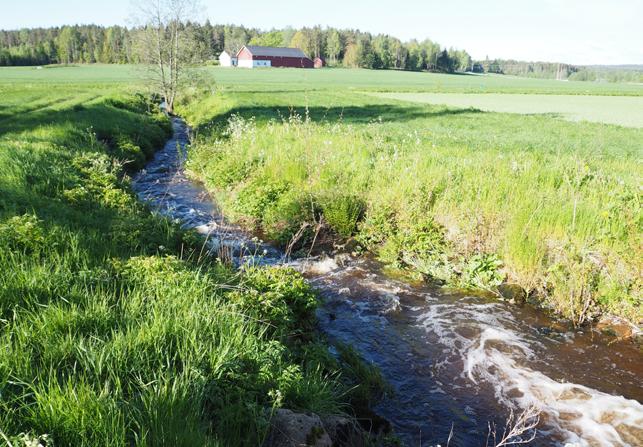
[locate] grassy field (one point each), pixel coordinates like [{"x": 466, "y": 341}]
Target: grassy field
[
  {"x": 466, "y": 198},
  {"x": 112, "y": 331},
  {"x": 622, "y": 110},
  {"x": 276, "y": 80}
]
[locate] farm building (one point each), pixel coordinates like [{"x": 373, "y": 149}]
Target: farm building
[
  {"x": 319, "y": 62},
  {"x": 253, "y": 56},
  {"x": 226, "y": 60}
]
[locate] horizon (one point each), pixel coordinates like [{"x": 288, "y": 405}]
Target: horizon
[{"x": 577, "y": 33}]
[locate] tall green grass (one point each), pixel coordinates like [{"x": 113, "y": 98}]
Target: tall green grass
[
  {"x": 111, "y": 332},
  {"x": 465, "y": 198}
]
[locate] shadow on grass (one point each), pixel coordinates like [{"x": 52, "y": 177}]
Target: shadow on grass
[
  {"x": 390, "y": 113},
  {"x": 93, "y": 115},
  {"x": 102, "y": 223}
]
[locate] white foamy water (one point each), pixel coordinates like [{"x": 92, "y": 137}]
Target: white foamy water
[{"x": 481, "y": 335}]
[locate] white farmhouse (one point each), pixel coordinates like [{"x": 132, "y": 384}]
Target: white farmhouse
[{"x": 225, "y": 60}]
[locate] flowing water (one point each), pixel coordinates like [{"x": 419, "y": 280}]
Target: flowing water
[{"x": 456, "y": 362}]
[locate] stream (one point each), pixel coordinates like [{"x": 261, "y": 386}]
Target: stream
[{"x": 456, "y": 362}]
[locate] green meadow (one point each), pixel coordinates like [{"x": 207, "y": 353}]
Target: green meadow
[
  {"x": 113, "y": 330},
  {"x": 464, "y": 198},
  {"x": 276, "y": 80}
]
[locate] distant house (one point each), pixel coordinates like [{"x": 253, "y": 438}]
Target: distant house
[
  {"x": 319, "y": 62},
  {"x": 251, "y": 56},
  {"x": 225, "y": 60}
]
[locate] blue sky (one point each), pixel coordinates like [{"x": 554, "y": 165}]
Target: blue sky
[{"x": 575, "y": 31}]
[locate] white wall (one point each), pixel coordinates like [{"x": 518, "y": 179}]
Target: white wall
[
  {"x": 225, "y": 60},
  {"x": 245, "y": 63},
  {"x": 249, "y": 63}
]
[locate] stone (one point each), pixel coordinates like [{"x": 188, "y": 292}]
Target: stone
[
  {"x": 290, "y": 429},
  {"x": 617, "y": 327},
  {"x": 344, "y": 432},
  {"x": 513, "y": 293}
]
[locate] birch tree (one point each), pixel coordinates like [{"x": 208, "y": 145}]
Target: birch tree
[{"x": 165, "y": 45}]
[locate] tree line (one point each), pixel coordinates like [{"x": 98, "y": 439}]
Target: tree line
[
  {"x": 339, "y": 47},
  {"x": 553, "y": 70}
]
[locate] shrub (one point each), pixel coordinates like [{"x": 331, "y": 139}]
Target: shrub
[
  {"x": 378, "y": 226},
  {"x": 573, "y": 279},
  {"x": 482, "y": 271},
  {"x": 23, "y": 233},
  {"x": 343, "y": 212},
  {"x": 128, "y": 152},
  {"x": 225, "y": 170},
  {"x": 98, "y": 182},
  {"x": 285, "y": 217},
  {"x": 257, "y": 195},
  {"x": 279, "y": 295}
]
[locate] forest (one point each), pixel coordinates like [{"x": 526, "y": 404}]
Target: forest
[
  {"x": 89, "y": 44},
  {"x": 114, "y": 44},
  {"x": 560, "y": 71}
]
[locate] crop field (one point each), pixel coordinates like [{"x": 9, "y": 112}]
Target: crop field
[
  {"x": 622, "y": 110},
  {"x": 328, "y": 79}
]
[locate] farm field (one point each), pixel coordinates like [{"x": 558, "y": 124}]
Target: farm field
[
  {"x": 622, "y": 110},
  {"x": 346, "y": 79}
]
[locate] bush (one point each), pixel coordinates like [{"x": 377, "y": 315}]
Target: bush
[
  {"x": 482, "y": 271},
  {"x": 257, "y": 195},
  {"x": 22, "y": 233},
  {"x": 128, "y": 152},
  {"x": 343, "y": 212},
  {"x": 280, "y": 296},
  {"x": 285, "y": 217},
  {"x": 99, "y": 182}
]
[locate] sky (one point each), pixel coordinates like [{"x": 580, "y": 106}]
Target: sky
[{"x": 572, "y": 31}]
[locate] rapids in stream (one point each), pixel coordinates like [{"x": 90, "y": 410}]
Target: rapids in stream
[{"x": 456, "y": 362}]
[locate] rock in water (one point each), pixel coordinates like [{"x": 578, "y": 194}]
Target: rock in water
[
  {"x": 344, "y": 432},
  {"x": 513, "y": 293},
  {"x": 290, "y": 429}
]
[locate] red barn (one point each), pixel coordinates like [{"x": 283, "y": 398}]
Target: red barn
[{"x": 253, "y": 56}]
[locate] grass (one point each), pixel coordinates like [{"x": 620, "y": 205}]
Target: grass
[
  {"x": 288, "y": 80},
  {"x": 465, "y": 198},
  {"x": 622, "y": 110},
  {"x": 111, "y": 332}
]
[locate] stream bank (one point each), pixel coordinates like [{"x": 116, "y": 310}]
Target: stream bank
[{"x": 453, "y": 360}]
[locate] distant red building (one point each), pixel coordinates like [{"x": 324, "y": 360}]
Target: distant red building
[
  {"x": 319, "y": 62},
  {"x": 251, "y": 56}
]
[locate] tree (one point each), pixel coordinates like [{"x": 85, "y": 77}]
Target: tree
[
  {"x": 270, "y": 39},
  {"x": 431, "y": 51},
  {"x": 444, "y": 62},
  {"x": 416, "y": 59},
  {"x": 382, "y": 48},
  {"x": 67, "y": 43},
  {"x": 301, "y": 40},
  {"x": 351, "y": 56},
  {"x": 333, "y": 45},
  {"x": 165, "y": 45}
]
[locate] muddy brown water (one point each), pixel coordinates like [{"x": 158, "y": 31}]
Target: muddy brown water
[{"x": 456, "y": 362}]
